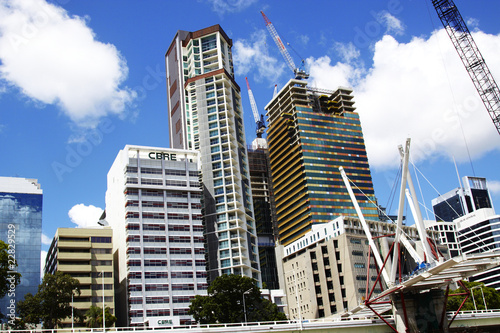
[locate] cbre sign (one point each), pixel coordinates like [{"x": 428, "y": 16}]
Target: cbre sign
[
  {"x": 162, "y": 156},
  {"x": 167, "y": 321}
]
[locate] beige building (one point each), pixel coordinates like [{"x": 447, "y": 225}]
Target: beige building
[
  {"x": 326, "y": 272},
  {"x": 85, "y": 254}
]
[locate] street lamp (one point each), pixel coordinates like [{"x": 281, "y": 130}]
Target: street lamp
[
  {"x": 103, "y": 306},
  {"x": 72, "y": 316},
  {"x": 244, "y": 306}
]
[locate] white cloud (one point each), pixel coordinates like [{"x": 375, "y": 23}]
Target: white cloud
[
  {"x": 230, "y": 6},
  {"x": 304, "y": 39},
  {"x": 348, "y": 52},
  {"x": 54, "y": 58},
  {"x": 325, "y": 75},
  {"x": 473, "y": 24},
  {"x": 85, "y": 216},
  {"x": 494, "y": 187},
  {"x": 393, "y": 25},
  {"x": 252, "y": 56},
  {"x": 46, "y": 240},
  {"x": 43, "y": 256},
  {"x": 420, "y": 90}
]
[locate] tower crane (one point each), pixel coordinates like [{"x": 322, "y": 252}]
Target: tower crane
[
  {"x": 299, "y": 74},
  {"x": 259, "y": 120},
  {"x": 471, "y": 57}
]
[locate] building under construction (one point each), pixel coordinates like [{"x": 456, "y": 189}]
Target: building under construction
[
  {"x": 264, "y": 211},
  {"x": 311, "y": 133}
]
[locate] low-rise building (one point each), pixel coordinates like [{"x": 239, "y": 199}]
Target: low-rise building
[
  {"x": 86, "y": 255},
  {"x": 327, "y": 271}
]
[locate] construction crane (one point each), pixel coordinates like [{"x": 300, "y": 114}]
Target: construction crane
[
  {"x": 471, "y": 57},
  {"x": 259, "y": 120},
  {"x": 299, "y": 74}
]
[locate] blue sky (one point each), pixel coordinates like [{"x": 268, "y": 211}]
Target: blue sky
[{"x": 81, "y": 79}]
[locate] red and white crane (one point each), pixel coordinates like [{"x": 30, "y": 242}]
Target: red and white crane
[
  {"x": 299, "y": 74},
  {"x": 259, "y": 120}
]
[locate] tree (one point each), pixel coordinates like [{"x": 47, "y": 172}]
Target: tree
[
  {"x": 230, "y": 299},
  {"x": 93, "y": 314},
  {"x": 52, "y": 302},
  {"x": 9, "y": 277},
  {"x": 94, "y": 317},
  {"x": 491, "y": 296}
]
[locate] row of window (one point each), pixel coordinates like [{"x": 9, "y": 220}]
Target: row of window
[{"x": 158, "y": 171}]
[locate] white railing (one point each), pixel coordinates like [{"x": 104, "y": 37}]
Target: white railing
[
  {"x": 230, "y": 327},
  {"x": 278, "y": 326}
]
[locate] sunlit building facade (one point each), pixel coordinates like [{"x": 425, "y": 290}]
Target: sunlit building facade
[
  {"x": 86, "y": 255},
  {"x": 153, "y": 204},
  {"x": 311, "y": 133},
  {"x": 205, "y": 114}
]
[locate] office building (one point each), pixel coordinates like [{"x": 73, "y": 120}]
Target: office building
[
  {"x": 265, "y": 213},
  {"x": 85, "y": 254},
  {"x": 472, "y": 196},
  {"x": 21, "y": 223},
  {"x": 205, "y": 114},
  {"x": 327, "y": 271},
  {"x": 153, "y": 204},
  {"x": 467, "y": 222},
  {"x": 311, "y": 133}
]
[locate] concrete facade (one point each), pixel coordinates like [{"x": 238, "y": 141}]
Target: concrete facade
[
  {"x": 205, "y": 114},
  {"x": 327, "y": 271},
  {"x": 85, "y": 254},
  {"x": 153, "y": 203}
]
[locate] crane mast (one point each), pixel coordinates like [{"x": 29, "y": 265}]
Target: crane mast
[
  {"x": 299, "y": 74},
  {"x": 471, "y": 57},
  {"x": 259, "y": 120}
]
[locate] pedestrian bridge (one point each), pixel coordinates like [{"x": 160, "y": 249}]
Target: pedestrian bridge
[{"x": 465, "y": 319}]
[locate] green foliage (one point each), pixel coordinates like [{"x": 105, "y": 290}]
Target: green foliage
[
  {"x": 491, "y": 296},
  {"x": 9, "y": 278},
  {"x": 228, "y": 298},
  {"x": 94, "y": 317},
  {"x": 51, "y": 303}
]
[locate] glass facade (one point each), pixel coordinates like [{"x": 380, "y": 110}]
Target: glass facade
[
  {"x": 310, "y": 135},
  {"x": 21, "y": 217}
]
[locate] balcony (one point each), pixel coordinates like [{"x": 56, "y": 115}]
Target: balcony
[
  {"x": 73, "y": 256},
  {"x": 77, "y": 245},
  {"x": 74, "y": 268}
]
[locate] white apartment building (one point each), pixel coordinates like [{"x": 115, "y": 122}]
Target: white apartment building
[
  {"x": 153, "y": 204},
  {"x": 205, "y": 114}
]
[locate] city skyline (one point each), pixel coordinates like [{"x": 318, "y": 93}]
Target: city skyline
[{"x": 53, "y": 135}]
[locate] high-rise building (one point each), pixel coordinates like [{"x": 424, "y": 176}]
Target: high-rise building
[
  {"x": 265, "y": 213},
  {"x": 311, "y": 133},
  {"x": 21, "y": 229},
  {"x": 205, "y": 114},
  {"x": 85, "y": 254},
  {"x": 153, "y": 204},
  {"x": 467, "y": 222}
]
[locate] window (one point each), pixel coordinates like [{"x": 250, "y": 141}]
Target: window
[
  {"x": 100, "y": 239},
  {"x": 156, "y": 275},
  {"x": 100, "y": 251}
]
